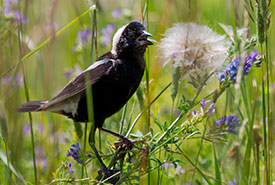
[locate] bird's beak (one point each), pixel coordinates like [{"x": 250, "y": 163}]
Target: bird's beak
[{"x": 142, "y": 39}]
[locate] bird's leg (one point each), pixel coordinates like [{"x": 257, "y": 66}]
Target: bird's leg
[
  {"x": 92, "y": 144},
  {"x": 125, "y": 140}
]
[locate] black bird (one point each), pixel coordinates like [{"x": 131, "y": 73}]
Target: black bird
[{"x": 114, "y": 78}]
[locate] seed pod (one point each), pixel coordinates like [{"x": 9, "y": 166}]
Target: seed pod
[{"x": 260, "y": 22}]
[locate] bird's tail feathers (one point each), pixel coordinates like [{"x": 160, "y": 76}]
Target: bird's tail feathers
[{"x": 32, "y": 106}]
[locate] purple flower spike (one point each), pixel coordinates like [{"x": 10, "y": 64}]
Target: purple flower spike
[
  {"x": 229, "y": 123},
  {"x": 232, "y": 69},
  {"x": 75, "y": 153},
  {"x": 254, "y": 59}
]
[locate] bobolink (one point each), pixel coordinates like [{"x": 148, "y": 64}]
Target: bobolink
[{"x": 114, "y": 78}]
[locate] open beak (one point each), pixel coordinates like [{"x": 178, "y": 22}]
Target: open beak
[{"x": 142, "y": 39}]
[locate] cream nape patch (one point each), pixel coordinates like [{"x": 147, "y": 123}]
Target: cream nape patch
[{"x": 116, "y": 39}]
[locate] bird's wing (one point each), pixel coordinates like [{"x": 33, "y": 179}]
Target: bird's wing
[{"x": 79, "y": 84}]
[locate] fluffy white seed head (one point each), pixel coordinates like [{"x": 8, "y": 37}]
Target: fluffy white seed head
[{"x": 194, "y": 48}]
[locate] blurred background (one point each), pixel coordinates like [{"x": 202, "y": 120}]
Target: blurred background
[{"x": 50, "y": 68}]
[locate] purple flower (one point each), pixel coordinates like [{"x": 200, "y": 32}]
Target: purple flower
[
  {"x": 254, "y": 59},
  {"x": 82, "y": 36},
  {"x": 68, "y": 74},
  {"x": 232, "y": 69},
  {"x": 9, "y": 3},
  {"x": 76, "y": 153},
  {"x": 117, "y": 13},
  {"x": 6, "y": 80},
  {"x": 165, "y": 165},
  {"x": 19, "y": 16},
  {"x": 107, "y": 35},
  {"x": 70, "y": 168},
  {"x": 26, "y": 129},
  {"x": 230, "y": 72},
  {"x": 229, "y": 123},
  {"x": 233, "y": 183},
  {"x": 10, "y": 9},
  {"x": 209, "y": 111},
  {"x": 7, "y": 12},
  {"x": 221, "y": 75},
  {"x": 180, "y": 170},
  {"x": 18, "y": 81}
]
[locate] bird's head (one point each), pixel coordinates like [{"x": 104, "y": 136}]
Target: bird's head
[{"x": 131, "y": 39}]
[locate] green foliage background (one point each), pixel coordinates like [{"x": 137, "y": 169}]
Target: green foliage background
[{"x": 44, "y": 75}]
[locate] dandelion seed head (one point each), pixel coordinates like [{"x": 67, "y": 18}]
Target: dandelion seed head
[{"x": 195, "y": 48}]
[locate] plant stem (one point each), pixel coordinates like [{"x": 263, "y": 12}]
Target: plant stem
[{"x": 27, "y": 99}]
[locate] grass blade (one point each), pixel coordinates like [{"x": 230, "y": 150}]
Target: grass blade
[{"x": 10, "y": 166}]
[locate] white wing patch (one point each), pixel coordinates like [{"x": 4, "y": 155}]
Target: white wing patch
[
  {"x": 96, "y": 64},
  {"x": 68, "y": 106}
]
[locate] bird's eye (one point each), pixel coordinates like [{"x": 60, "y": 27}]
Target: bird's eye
[{"x": 131, "y": 35}]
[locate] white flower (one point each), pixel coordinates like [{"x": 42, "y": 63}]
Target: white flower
[{"x": 196, "y": 49}]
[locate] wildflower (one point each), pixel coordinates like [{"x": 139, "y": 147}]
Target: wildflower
[
  {"x": 194, "y": 48},
  {"x": 232, "y": 70},
  {"x": 79, "y": 155},
  {"x": 175, "y": 165},
  {"x": 116, "y": 13},
  {"x": 6, "y": 80},
  {"x": 165, "y": 165},
  {"x": 209, "y": 111},
  {"x": 18, "y": 80},
  {"x": 228, "y": 123},
  {"x": 229, "y": 75},
  {"x": 68, "y": 74},
  {"x": 82, "y": 36},
  {"x": 10, "y": 11},
  {"x": 106, "y": 32},
  {"x": 180, "y": 170},
  {"x": 26, "y": 129},
  {"x": 70, "y": 168},
  {"x": 254, "y": 59},
  {"x": 75, "y": 153}
]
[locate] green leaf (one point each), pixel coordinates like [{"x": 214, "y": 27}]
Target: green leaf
[
  {"x": 4, "y": 129},
  {"x": 165, "y": 125},
  {"x": 175, "y": 82},
  {"x": 78, "y": 129},
  {"x": 158, "y": 124},
  {"x": 218, "y": 178}
]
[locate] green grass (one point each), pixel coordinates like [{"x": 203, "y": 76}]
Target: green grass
[{"x": 175, "y": 147}]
